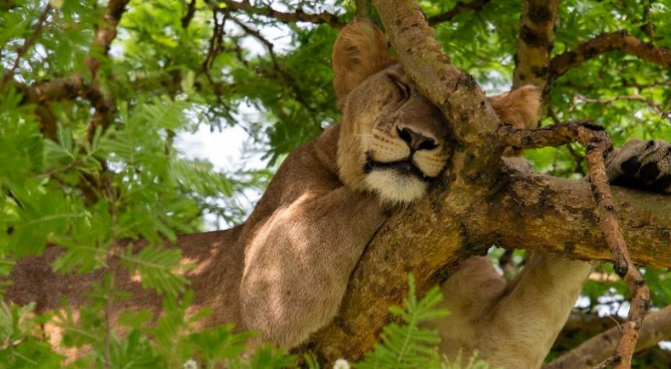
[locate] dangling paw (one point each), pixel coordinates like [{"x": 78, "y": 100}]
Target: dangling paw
[{"x": 644, "y": 165}]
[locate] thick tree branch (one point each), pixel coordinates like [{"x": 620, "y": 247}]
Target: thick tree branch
[
  {"x": 433, "y": 226},
  {"x": 524, "y": 210},
  {"x": 298, "y": 16},
  {"x": 607, "y": 42},
  {"x": 42, "y": 93},
  {"x": 656, "y": 327},
  {"x": 535, "y": 42},
  {"x": 54, "y": 90},
  {"x": 456, "y": 220},
  {"x": 461, "y": 7},
  {"x": 538, "y": 212},
  {"x": 597, "y": 144},
  {"x": 470, "y": 117}
]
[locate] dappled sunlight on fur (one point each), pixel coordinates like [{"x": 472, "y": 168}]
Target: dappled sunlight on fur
[{"x": 284, "y": 272}]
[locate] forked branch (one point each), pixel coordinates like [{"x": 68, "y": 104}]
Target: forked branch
[{"x": 597, "y": 144}]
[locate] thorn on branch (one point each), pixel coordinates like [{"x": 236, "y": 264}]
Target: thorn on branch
[{"x": 598, "y": 144}]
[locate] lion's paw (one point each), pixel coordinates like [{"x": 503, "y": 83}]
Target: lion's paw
[{"x": 643, "y": 165}]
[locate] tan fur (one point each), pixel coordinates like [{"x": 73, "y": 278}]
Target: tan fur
[
  {"x": 284, "y": 272},
  {"x": 520, "y": 107}
]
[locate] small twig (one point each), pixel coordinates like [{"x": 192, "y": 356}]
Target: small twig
[
  {"x": 215, "y": 47},
  {"x": 215, "y": 41},
  {"x": 626, "y": 84},
  {"x": 298, "y": 16},
  {"x": 281, "y": 72},
  {"x": 607, "y": 101},
  {"x": 613, "y": 360},
  {"x": 598, "y": 144},
  {"x": 105, "y": 33},
  {"x": 103, "y": 106},
  {"x": 190, "y": 12},
  {"x": 459, "y": 8},
  {"x": 27, "y": 44},
  {"x": 578, "y": 159},
  {"x": 648, "y": 28}
]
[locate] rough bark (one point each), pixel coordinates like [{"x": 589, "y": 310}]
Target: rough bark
[
  {"x": 597, "y": 143},
  {"x": 535, "y": 42},
  {"x": 538, "y": 212},
  {"x": 524, "y": 210},
  {"x": 476, "y": 205},
  {"x": 656, "y": 327}
]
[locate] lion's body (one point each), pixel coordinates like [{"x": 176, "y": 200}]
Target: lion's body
[{"x": 285, "y": 271}]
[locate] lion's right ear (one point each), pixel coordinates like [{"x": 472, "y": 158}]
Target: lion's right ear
[
  {"x": 520, "y": 107},
  {"x": 359, "y": 52}
]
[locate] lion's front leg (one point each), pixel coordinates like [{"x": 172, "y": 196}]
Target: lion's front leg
[
  {"x": 524, "y": 322},
  {"x": 298, "y": 264}
]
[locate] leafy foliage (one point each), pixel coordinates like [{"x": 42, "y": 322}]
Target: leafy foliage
[
  {"x": 96, "y": 165},
  {"x": 411, "y": 345}
]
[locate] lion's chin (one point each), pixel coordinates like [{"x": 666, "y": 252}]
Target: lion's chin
[{"x": 394, "y": 187}]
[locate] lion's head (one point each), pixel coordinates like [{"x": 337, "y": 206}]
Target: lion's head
[{"x": 393, "y": 141}]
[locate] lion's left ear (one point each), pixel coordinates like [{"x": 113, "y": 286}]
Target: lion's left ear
[
  {"x": 359, "y": 52},
  {"x": 520, "y": 107}
]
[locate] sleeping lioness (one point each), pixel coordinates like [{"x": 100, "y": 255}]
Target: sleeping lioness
[{"x": 285, "y": 270}]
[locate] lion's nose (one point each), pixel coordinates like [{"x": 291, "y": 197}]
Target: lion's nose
[{"x": 416, "y": 141}]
